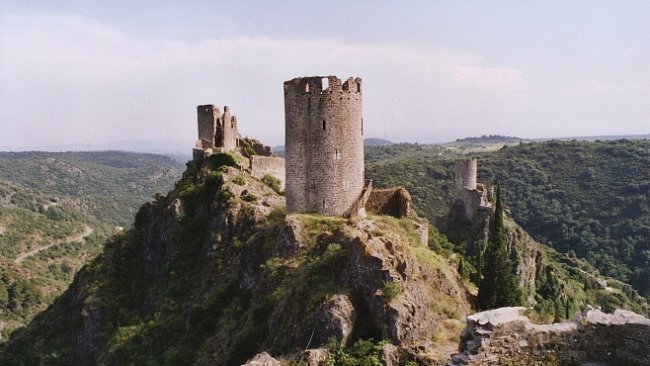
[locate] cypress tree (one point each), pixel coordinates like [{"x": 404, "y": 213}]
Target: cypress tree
[{"x": 498, "y": 287}]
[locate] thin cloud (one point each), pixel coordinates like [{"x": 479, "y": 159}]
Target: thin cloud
[{"x": 98, "y": 83}]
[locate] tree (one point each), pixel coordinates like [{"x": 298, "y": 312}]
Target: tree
[{"x": 498, "y": 287}]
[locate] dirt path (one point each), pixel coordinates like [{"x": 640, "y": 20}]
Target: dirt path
[{"x": 76, "y": 238}]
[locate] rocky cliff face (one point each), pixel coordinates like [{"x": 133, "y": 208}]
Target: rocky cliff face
[
  {"x": 503, "y": 336},
  {"x": 216, "y": 272}
]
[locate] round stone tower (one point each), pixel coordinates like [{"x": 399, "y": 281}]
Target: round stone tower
[
  {"x": 323, "y": 144},
  {"x": 466, "y": 174}
]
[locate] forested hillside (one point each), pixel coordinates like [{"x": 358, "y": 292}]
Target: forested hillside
[
  {"x": 591, "y": 198},
  {"x": 57, "y": 210},
  {"x": 111, "y": 183}
]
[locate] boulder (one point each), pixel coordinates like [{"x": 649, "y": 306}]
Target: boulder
[{"x": 263, "y": 359}]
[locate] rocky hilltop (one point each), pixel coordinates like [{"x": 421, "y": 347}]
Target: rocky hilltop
[{"x": 215, "y": 272}]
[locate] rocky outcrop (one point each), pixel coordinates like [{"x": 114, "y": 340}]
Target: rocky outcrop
[
  {"x": 497, "y": 337},
  {"x": 263, "y": 359},
  {"x": 334, "y": 319}
]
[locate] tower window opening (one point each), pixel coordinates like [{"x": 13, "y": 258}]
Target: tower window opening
[
  {"x": 325, "y": 83},
  {"x": 346, "y": 185},
  {"x": 362, "y": 126},
  {"x": 307, "y": 88},
  {"x": 323, "y": 203},
  {"x": 324, "y": 126}
]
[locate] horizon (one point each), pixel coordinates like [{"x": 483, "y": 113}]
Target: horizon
[
  {"x": 93, "y": 73},
  {"x": 184, "y": 147}
]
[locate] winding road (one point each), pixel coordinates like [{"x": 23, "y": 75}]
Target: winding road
[{"x": 76, "y": 238}]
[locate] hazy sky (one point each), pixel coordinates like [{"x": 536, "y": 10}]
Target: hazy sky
[{"x": 99, "y": 71}]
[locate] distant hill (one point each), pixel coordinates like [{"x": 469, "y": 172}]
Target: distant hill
[
  {"x": 57, "y": 209},
  {"x": 489, "y": 139},
  {"x": 180, "y": 150},
  {"x": 597, "y": 138},
  {"x": 279, "y": 149},
  {"x": 376, "y": 142}
]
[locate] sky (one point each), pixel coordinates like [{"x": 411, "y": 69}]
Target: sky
[{"x": 93, "y": 72}]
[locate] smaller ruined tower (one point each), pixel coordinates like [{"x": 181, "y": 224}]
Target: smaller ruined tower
[
  {"x": 466, "y": 174},
  {"x": 473, "y": 195},
  {"x": 217, "y": 132},
  {"x": 323, "y": 144},
  {"x": 227, "y": 131},
  {"x": 207, "y": 116}
]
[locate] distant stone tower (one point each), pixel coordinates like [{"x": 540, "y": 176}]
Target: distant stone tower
[
  {"x": 217, "y": 132},
  {"x": 466, "y": 174},
  {"x": 474, "y": 196},
  {"x": 323, "y": 144}
]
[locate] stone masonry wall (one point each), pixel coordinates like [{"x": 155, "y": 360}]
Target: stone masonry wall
[
  {"x": 471, "y": 201},
  {"x": 262, "y": 165},
  {"x": 496, "y": 337},
  {"x": 217, "y": 132},
  {"x": 395, "y": 202},
  {"x": 466, "y": 174},
  {"x": 229, "y": 130},
  {"x": 207, "y": 116},
  {"x": 323, "y": 144}
]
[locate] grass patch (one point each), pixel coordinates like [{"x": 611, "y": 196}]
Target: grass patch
[
  {"x": 273, "y": 183},
  {"x": 318, "y": 224},
  {"x": 390, "y": 290},
  {"x": 398, "y": 228}
]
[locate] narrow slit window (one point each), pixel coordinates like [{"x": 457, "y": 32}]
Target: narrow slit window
[
  {"x": 323, "y": 202},
  {"x": 346, "y": 185},
  {"x": 307, "y": 88},
  {"x": 362, "y": 126},
  {"x": 324, "y": 125}
]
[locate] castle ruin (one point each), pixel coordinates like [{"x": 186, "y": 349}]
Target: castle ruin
[
  {"x": 324, "y": 167},
  {"x": 473, "y": 195},
  {"x": 323, "y": 144},
  {"x": 217, "y": 132}
]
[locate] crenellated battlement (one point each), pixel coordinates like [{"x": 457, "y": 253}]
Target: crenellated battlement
[{"x": 315, "y": 85}]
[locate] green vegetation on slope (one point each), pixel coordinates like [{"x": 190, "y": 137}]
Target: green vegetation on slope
[
  {"x": 591, "y": 199},
  {"x": 56, "y": 211},
  {"x": 498, "y": 286},
  {"x": 587, "y": 198},
  {"x": 110, "y": 184}
]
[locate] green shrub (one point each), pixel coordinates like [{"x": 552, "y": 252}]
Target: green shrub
[
  {"x": 390, "y": 290},
  {"x": 214, "y": 179},
  {"x": 225, "y": 195},
  {"x": 221, "y": 159},
  {"x": 273, "y": 183},
  {"x": 361, "y": 353},
  {"x": 250, "y": 151},
  {"x": 250, "y": 198},
  {"x": 239, "y": 180}
]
